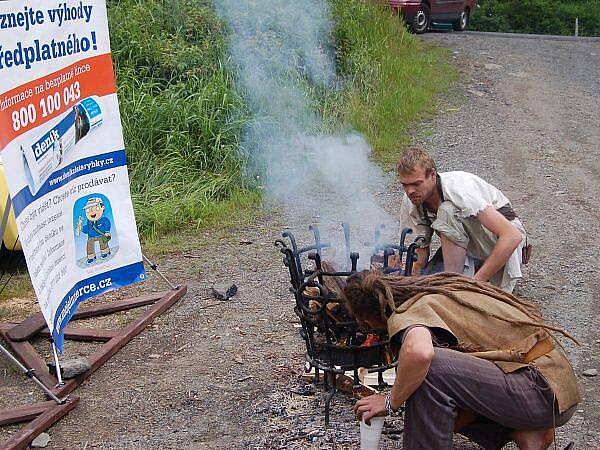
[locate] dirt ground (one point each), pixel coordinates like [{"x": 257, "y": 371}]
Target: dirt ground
[{"x": 214, "y": 375}]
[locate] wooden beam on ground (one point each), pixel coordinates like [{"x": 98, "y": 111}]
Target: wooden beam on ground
[
  {"x": 5, "y": 327},
  {"x": 75, "y": 334},
  {"x": 24, "y": 413},
  {"x": 346, "y": 384},
  {"x": 36, "y": 323},
  {"x": 125, "y": 335},
  {"x": 30, "y": 359},
  {"x": 29, "y": 432},
  {"x": 85, "y": 334}
]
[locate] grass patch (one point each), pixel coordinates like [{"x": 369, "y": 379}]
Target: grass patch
[
  {"x": 238, "y": 210},
  {"x": 16, "y": 299},
  {"x": 19, "y": 286},
  {"x": 392, "y": 80},
  {"x": 182, "y": 119}
]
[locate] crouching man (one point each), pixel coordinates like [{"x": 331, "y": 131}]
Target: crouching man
[
  {"x": 471, "y": 358},
  {"x": 480, "y": 234}
]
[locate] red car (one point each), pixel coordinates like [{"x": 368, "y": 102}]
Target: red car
[{"x": 421, "y": 14}]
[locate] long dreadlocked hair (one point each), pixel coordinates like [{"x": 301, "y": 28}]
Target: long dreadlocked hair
[{"x": 369, "y": 293}]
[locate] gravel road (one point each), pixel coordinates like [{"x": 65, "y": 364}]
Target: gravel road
[
  {"x": 212, "y": 374},
  {"x": 528, "y": 121}
]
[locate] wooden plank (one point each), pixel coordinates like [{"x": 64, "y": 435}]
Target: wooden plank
[
  {"x": 24, "y": 413},
  {"x": 29, "y": 432},
  {"x": 85, "y": 334},
  {"x": 5, "y": 327},
  {"x": 30, "y": 359},
  {"x": 346, "y": 384},
  {"x": 125, "y": 335},
  {"x": 36, "y": 323}
]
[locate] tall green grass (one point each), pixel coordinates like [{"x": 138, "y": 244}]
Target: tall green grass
[
  {"x": 181, "y": 116},
  {"x": 392, "y": 79}
]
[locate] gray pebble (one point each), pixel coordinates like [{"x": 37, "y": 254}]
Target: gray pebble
[
  {"x": 41, "y": 441},
  {"x": 590, "y": 373}
]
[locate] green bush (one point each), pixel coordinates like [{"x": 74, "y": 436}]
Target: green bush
[
  {"x": 183, "y": 119},
  {"x": 181, "y": 116},
  {"x": 538, "y": 16},
  {"x": 392, "y": 79}
]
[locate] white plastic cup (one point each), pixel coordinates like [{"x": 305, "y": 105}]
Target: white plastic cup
[{"x": 370, "y": 434}]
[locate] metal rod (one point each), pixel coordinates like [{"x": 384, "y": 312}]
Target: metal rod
[
  {"x": 346, "y": 228},
  {"x": 30, "y": 373},
  {"x": 317, "y": 235},
  {"x": 57, "y": 364},
  {"x": 155, "y": 268},
  {"x": 4, "y": 222}
]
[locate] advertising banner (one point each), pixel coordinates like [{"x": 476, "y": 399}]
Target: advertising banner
[{"x": 61, "y": 145}]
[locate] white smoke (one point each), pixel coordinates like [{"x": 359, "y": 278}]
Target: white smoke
[{"x": 279, "y": 48}]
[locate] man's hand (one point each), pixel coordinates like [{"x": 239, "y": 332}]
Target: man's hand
[
  {"x": 414, "y": 359},
  {"x": 369, "y": 407}
]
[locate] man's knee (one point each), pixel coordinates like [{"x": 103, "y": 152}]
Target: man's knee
[{"x": 449, "y": 225}]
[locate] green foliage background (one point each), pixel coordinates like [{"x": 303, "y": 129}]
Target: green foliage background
[
  {"x": 184, "y": 116},
  {"x": 181, "y": 115},
  {"x": 392, "y": 79},
  {"x": 538, "y": 16}
]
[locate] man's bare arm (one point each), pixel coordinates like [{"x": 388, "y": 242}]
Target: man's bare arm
[
  {"x": 509, "y": 238},
  {"x": 414, "y": 360}
]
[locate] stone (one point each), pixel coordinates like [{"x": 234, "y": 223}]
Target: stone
[
  {"x": 41, "y": 441},
  {"x": 491, "y": 66},
  {"x": 477, "y": 93},
  {"x": 70, "y": 368},
  {"x": 224, "y": 291},
  {"x": 590, "y": 373}
]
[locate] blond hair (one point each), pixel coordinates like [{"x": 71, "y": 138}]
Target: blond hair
[{"x": 415, "y": 157}]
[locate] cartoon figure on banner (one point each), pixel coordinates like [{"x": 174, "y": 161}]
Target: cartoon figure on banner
[{"x": 94, "y": 225}]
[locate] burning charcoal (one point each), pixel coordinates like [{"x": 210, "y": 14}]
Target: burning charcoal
[
  {"x": 371, "y": 339},
  {"x": 224, "y": 291}
]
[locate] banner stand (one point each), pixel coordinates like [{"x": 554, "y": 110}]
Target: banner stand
[
  {"x": 17, "y": 337},
  {"x": 57, "y": 364},
  {"x": 30, "y": 373},
  {"x": 155, "y": 268}
]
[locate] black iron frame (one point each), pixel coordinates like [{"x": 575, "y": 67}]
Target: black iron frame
[{"x": 332, "y": 357}]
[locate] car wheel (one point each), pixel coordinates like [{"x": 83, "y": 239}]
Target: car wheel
[
  {"x": 421, "y": 20},
  {"x": 462, "y": 22}
]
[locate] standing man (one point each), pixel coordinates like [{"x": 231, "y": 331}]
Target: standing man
[{"x": 480, "y": 234}]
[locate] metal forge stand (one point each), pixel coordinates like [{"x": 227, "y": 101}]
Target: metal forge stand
[{"x": 334, "y": 344}]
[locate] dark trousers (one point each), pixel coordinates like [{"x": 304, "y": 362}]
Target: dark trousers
[{"x": 520, "y": 400}]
